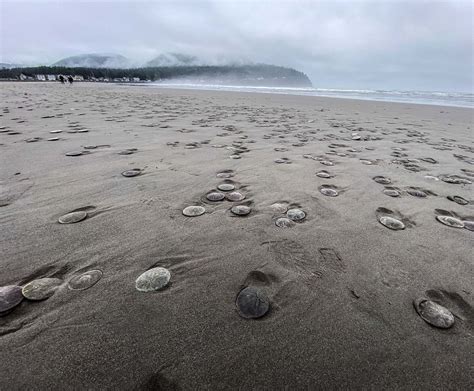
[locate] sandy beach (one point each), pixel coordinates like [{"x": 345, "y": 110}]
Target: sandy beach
[{"x": 340, "y": 284}]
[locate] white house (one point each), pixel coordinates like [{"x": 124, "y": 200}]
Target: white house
[
  {"x": 51, "y": 77},
  {"x": 40, "y": 77},
  {"x": 78, "y": 78}
]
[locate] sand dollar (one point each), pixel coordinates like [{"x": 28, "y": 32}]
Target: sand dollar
[
  {"x": 469, "y": 225},
  {"x": 41, "y": 288},
  {"x": 193, "y": 211},
  {"x": 252, "y": 303},
  {"x": 328, "y": 191},
  {"x": 73, "y": 217},
  {"x": 225, "y": 174},
  {"x": 84, "y": 280},
  {"x": 226, "y": 187},
  {"x": 327, "y": 163},
  {"x": 391, "y": 223},
  {"x": 382, "y": 180},
  {"x": 324, "y": 174},
  {"x": 434, "y": 314},
  {"x": 296, "y": 214},
  {"x": 450, "y": 221},
  {"x": 132, "y": 173},
  {"x": 74, "y": 153},
  {"x": 458, "y": 200},
  {"x": 153, "y": 279},
  {"x": 235, "y": 196},
  {"x": 417, "y": 193},
  {"x": 215, "y": 196},
  {"x": 241, "y": 210},
  {"x": 284, "y": 222},
  {"x": 10, "y": 297},
  {"x": 391, "y": 192},
  {"x": 279, "y": 207}
]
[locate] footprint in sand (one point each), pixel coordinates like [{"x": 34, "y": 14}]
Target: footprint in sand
[{"x": 293, "y": 257}]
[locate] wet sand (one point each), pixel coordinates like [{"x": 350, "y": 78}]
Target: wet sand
[{"x": 338, "y": 277}]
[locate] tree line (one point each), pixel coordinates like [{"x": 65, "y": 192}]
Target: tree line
[{"x": 242, "y": 72}]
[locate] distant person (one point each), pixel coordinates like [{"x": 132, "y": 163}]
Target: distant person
[
  {"x": 70, "y": 80},
  {"x": 61, "y": 79}
]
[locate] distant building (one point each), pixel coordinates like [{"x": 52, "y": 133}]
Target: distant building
[
  {"x": 23, "y": 77},
  {"x": 51, "y": 77},
  {"x": 136, "y": 79},
  {"x": 78, "y": 78},
  {"x": 40, "y": 77}
]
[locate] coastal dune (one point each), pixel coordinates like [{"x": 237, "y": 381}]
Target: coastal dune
[{"x": 340, "y": 284}]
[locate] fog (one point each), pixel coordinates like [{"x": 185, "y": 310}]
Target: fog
[{"x": 410, "y": 45}]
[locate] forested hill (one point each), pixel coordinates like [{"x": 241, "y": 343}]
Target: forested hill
[{"x": 248, "y": 75}]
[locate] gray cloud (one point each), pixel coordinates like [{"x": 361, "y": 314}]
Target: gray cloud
[{"x": 342, "y": 44}]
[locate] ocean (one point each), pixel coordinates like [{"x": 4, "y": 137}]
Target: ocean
[{"x": 457, "y": 99}]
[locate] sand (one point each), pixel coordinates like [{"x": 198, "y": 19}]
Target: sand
[{"x": 341, "y": 285}]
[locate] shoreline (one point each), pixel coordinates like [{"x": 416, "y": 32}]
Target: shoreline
[{"x": 261, "y": 90}]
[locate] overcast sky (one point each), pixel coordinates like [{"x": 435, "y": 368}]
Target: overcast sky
[{"x": 392, "y": 44}]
